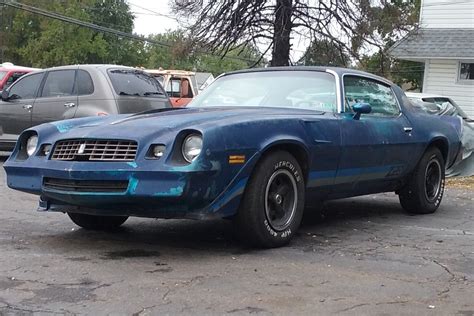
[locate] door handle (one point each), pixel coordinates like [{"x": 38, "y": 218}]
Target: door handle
[
  {"x": 27, "y": 107},
  {"x": 70, "y": 104},
  {"x": 408, "y": 129}
]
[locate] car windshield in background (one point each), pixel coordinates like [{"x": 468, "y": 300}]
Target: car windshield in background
[
  {"x": 439, "y": 106},
  {"x": 313, "y": 90},
  {"x": 2, "y": 74},
  {"x": 134, "y": 83}
]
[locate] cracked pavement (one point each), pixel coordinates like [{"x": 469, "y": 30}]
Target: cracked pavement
[{"x": 358, "y": 256}]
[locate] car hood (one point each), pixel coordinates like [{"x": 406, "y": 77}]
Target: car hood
[{"x": 173, "y": 119}]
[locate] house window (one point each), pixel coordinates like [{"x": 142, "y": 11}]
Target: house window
[{"x": 466, "y": 71}]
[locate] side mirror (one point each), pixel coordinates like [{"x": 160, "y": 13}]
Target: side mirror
[
  {"x": 361, "y": 108},
  {"x": 5, "y": 95}
]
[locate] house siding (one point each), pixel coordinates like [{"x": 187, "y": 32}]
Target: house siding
[
  {"x": 442, "y": 78},
  {"x": 447, "y": 14}
]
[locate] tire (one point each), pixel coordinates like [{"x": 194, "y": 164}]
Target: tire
[
  {"x": 97, "y": 222},
  {"x": 272, "y": 206},
  {"x": 424, "y": 191}
]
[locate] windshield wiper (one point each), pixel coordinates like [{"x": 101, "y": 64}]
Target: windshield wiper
[
  {"x": 153, "y": 93},
  {"x": 125, "y": 93}
]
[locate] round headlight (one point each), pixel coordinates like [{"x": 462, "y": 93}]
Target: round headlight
[
  {"x": 31, "y": 145},
  {"x": 192, "y": 146}
]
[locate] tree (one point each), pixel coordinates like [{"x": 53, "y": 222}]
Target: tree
[
  {"x": 39, "y": 41},
  {"x": 325, "y": 53},
  {"x": 399, "y": 71},
  {"x": 351, "y": 24},
  {"x": 380, "y": 62},
  {"x": 179, "y": 52}
]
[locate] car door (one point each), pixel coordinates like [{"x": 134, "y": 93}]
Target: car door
[
  {"x": 15, "y": 113},
  {"x": 57, "y": 99},
  {"x": 376, "y": 147},
  {"x": 180, "y": 92}
]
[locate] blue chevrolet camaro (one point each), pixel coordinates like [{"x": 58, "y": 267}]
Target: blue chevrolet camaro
[{"x": 256, "y": 146}]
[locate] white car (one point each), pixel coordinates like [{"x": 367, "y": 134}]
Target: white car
[
  {"x": 440, "y": 105},
  {"x": 437, "y": 104}
]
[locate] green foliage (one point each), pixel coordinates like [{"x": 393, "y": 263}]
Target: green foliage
[
  {"x": 399, "y": 71},
  {"x": 43, "y": 42},
  {"x": 34, "y": 40},
  {"x": 325, "y": 53},
  {"x": 388, "y": 21},
  {"x": 181, "y": 53}
]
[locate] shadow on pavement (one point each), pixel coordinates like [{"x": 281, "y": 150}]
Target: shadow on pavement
[{"x": 148, "y": 237}]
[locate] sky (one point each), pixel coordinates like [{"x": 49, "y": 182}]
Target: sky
[{"x": 152, "y": 16}]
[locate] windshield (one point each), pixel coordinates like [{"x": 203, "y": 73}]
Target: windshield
[
  {"x": 312, "y": 90},
  {"x": 130, "y": 82},
  {"x": 2, "y": 74},
  {"x": 439, "y": 106}
]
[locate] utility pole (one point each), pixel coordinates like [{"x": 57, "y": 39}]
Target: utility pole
[{"x": 2, "y": 31}]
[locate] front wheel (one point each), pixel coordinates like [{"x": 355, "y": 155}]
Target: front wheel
[
  {"x": 425, "y": 188},
  {"x": 273, "y": 202},
  {"x": 97, "y": 222}
]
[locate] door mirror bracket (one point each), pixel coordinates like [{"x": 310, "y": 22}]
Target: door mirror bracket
[{"x": 361, "y": 108}]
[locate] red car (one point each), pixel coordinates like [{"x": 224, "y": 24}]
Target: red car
[{"x": 9, "y": 73}]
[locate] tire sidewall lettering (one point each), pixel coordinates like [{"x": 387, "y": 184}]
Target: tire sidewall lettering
[{"x": 283, "y": 164}]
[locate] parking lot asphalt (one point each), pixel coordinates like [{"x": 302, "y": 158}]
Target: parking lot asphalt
[{"x": 358, "y": 256}]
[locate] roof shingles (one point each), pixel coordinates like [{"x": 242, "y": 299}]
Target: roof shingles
[{"x": 435, "y": 43}]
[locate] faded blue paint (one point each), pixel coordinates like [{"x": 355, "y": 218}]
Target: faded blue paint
[
  {"x": 176, "y": 191},
  {"x": 132, "y": 185},
  {"x": 132, "y": 164},
  {"x": 63, "y": 126}
]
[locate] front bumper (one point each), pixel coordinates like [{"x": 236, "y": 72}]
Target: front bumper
[{"x": 145, "y": 191}]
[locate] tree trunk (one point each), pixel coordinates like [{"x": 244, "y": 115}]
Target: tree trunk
[{"x": 281, "y": 33}]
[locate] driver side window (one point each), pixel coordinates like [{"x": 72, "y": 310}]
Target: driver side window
[
  {"x": 26, "y": 87},
  {"x": 378, "y": 95}
]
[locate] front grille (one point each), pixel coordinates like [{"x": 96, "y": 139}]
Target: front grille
[
  {"x": 95, "y": 150},
  {"x": 105, "y": 186}
]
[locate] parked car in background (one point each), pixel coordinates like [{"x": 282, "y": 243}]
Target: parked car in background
[
  {"x": 437, "y": 104},
  {"x": 180, "y": 85},
  {"x": 441, "y": 105},
  {"x": 75, "y": 91},
  {"x": 284, "y": 137},
  {"x": 10, "y": 73}
]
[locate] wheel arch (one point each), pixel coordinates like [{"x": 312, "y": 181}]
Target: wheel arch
[
  {"x": 293, "y": 146},
  {"x": 442, "y": 144}
]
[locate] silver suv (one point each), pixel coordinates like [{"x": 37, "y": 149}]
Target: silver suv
[{"x": 75, "y": 91}]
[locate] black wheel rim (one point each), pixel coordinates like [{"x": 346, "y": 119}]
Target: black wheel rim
[
  {"x": 280, "y": 200},
  {"x": 433, "y": 179}
]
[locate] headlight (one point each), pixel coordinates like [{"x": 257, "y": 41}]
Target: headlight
[
  {"x": 31, "y": 145},
  {"x": 192, "y": 146}
]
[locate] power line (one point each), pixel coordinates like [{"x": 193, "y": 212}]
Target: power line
[{"x": 103, "y": 29}]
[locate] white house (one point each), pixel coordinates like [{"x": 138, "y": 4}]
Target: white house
[{"x": 444, "y": 41}]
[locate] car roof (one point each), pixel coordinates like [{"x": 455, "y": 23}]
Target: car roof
[
  {"x": 339, "y": 70},
  {"x": 424, "y": 95},
  {"x": 12, "y": 67},
  {"x": 89, "y": 66}
]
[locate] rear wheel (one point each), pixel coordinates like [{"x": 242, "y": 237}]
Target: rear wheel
[
  {"x": 97, "y": 222},
  {"x": 424, "y": 190},
  {"x": 273, "y": 202}
]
